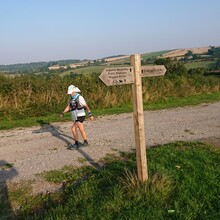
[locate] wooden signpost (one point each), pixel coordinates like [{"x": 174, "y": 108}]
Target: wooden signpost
[
  {"x": 132, "y": 75},
  {"x": 148, "y": 71},
  {"x": 117, "y": 76}
]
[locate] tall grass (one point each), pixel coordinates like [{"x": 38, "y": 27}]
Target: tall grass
[{"x": 33, "y": 96}]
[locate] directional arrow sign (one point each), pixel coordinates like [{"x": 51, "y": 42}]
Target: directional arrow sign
[
  {"x": 147, "y": 71},
  {"x": 117, "y": 76}
]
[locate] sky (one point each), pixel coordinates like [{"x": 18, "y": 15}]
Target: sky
[{"x": 50, "y": 30}]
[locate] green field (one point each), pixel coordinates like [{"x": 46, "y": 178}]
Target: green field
[
  {"x": 146, "y": 56},
  {"x": 196, "y": 64}
]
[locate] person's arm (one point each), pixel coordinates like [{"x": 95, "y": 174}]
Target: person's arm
[
  {"x": 89, "y": 111},
  {"x": 83, "y": 102},
  {"x": 67, "y": 109}
]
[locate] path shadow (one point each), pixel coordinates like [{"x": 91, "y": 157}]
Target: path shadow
[
  {"x": 54, "y": 130},
  {"x": 88, "y": 158},
  {"x": 7, "y": 172}
]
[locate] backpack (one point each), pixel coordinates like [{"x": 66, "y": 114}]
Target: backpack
[{"x": 74, "y": 103}]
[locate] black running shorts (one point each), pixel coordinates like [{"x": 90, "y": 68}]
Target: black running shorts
[{"x": 81, "y": 118}]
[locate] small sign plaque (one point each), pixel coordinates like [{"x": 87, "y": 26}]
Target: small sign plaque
[
  {"x": 117, "y": 76},
  {"x": 148, "y": 71}
]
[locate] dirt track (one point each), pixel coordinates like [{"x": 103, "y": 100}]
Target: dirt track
[{"x": 42, "y": 148}]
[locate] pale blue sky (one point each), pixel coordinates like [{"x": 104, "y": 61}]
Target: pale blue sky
[{"x": 47, "y": 30}]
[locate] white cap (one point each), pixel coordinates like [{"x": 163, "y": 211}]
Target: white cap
[{"x": 72, "y": 89}]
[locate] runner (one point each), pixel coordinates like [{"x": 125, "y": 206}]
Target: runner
[{"x": 77, "y": 106}]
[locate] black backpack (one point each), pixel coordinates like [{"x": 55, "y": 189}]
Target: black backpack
[{"x": 75, "y": 104}]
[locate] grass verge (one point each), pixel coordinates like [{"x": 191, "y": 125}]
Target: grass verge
[
  {"x": 170, "y": 102},
  {"x": 183, "y": 184}
]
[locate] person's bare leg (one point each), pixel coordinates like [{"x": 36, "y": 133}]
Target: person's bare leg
[
  {"x": 74, "y": 131},
  {"x": 82, "y": 130}
]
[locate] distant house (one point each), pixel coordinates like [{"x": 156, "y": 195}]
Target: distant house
[
  {"x": 72, "y": 66},
  {"x": 57, "y": 67}
]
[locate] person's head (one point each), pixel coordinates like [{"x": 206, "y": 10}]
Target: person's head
[{"x": 72, "y": 90}]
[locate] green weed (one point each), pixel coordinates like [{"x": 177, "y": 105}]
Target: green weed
[{"x": 67, "y": 173}]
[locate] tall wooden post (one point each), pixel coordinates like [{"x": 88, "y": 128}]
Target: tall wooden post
[
  {"x": 132, "y": 75},
  {"x": 139, "y": 119}
]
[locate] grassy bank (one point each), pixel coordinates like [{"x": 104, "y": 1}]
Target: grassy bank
[
  {"x": 170, "y": 102},
  {"x": 183, "y": 184}
]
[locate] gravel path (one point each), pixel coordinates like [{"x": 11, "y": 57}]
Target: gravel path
[{"x": 43, "y": 148}]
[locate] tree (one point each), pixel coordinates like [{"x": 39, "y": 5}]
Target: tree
[
  {"x": 161, "y": 61},
  {"x": 188, "y": 55},
  {"x": 176, "y": 69},
  {"x": 217, "y": 65},
  {"x": 195, "y": 56}
]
